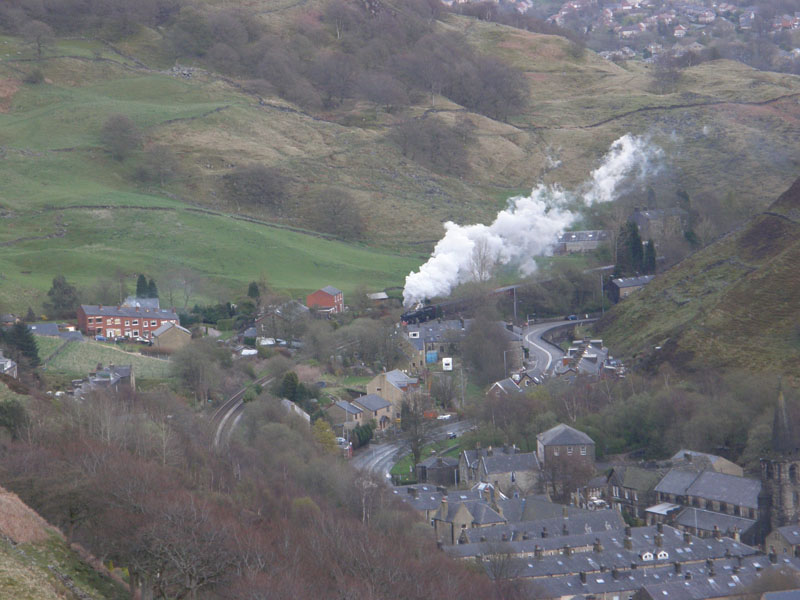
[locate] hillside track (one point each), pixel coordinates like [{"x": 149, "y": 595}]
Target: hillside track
[{"x": 226, "y": 416}]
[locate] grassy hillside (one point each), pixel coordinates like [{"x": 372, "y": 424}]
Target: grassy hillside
[
  {"x": 70, "y": 208},
  {"x": 733, "y": 304},
  {"x": 78, "y": 358},
  {"x": 37, "y": 564}
]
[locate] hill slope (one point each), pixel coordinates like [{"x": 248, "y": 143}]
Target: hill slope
[
  {"x": 733, "y": 304},
  {"x": 70, "y": 208}
]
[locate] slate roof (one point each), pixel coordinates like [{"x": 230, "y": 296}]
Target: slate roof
[
  {"x": 706, "y": 519},
  {"x": 584, "y": 236},
  {"x": 349, "y": 408},
  {"x": 588, "y": 522},
  {"x": 133, "y": 301},
  {"x": 164, "y": 327},
  {"x": 563, "y": 435},
  {"x": 127, "y": 311},
  {"x": 626, "y": 282},
  {"x": 636, "y": 478},
  {"x": 613, "y": 553},
  {"x": 676, "y": 481},
  {"x": 437, "y": 331},
  {"x": 434, "y": 462},
  {"x": 372, "y": 402},
  {"x": 481, "y": 512},
  {"x": 791, "y": 533},
  {"x": 51, "y": 329},
  {"x": 507, "y": 386},
  {"x": 329, "y": 289},
  {"x": 500, "y": 462},
  {"x": 399, "y": 379},
  {"x": 540, "y": 507},
  {"x": 428, "y": 497},
  {"x": 726, "y": 488},
  {"x": 702, "y": 460}
]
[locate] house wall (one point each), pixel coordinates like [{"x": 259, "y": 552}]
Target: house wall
[
  {"x": 571, "y": 452},
  {"x": 172, "y": 339},
  {"x": 781, "y": 545},
  {"x": 387, "y": 391},
  {"x": 320, "y": 299},
  {"x": 525, "y": 481},
  {"x": 141, "y": 325},
  {"x": 382, "y": 417}
]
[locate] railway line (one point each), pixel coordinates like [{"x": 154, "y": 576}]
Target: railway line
[{"x": 226, "y": 416}]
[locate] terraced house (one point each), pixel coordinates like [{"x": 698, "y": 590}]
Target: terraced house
[{"x": 123, "y": 321}]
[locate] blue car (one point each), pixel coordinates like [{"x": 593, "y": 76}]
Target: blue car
[{"x": 100, "y": 338}]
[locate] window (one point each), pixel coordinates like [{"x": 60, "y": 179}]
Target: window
[
  {"x": 127, "y": 323},
  {"x": 555, "y": 451},
  {"x": 116, "y": 321},
  {"x": 109, "y": 321},
  {"x": 153, "y": 323},
  {"x": 569, "y": 449},
  {"x": 583, "y": 450},
  {"x": 90, "y": 320},
  {"x": 135, "y": 322},
  {"x": 135, "y": 333}
]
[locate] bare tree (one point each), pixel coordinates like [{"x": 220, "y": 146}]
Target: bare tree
[
  {"x": 483, "y": 261},
  {"x": 38, "y": 35}
]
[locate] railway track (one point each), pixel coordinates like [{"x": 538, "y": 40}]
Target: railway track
[{"x": 226, "y": 416}]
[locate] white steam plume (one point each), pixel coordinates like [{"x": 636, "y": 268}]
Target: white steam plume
[{"x": 528, "y": 227}]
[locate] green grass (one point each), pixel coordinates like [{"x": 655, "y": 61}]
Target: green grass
[
  {"x": 402, "y": 468},
  {"x": 6, "y": 394},
  {"x": 51, "y": 159},
  {"x": 78, "y": 358},
  {"x": 47, "y": 345}
]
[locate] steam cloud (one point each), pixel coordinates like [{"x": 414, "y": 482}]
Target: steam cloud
[{"x": 528, "y": 227}]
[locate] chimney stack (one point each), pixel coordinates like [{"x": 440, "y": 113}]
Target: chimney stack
[
  {"x": 677, "y": 566},
  {"x": 489, "y": 451},
  {"x": 628, "y": 542},
  {"x": 737, "y": 535},
  {"x": 717, "y": 533},
  {"x": 615, "y": 573},
  {"x": 659, "y": 540},
  {"x": 567, "y": 550},
  {"x": 728, "y": 553},
  {"x": 524, "y": 535},
  {"x": 582, "y": 575},
  {"x": 688, "y": 575},
  {"x": 773, "y": 556},
  {"x": 538, "y": 552},
  {"x": 687, "y": 537},
  {"x": 660, "y": 527},
  {"x": 564, "y": 512},
  {"x": 627, "y": 531},
  {"x": 564, "y": 530},
  {"x": 505, "y": 537},
  {"x": 544, "y": 532},
  {"x": 598, "y": 547}
]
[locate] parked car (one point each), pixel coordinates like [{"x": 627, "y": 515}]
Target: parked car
[
  {"x": 100, "y": 338},
  {"x": 571, "y": 318},
  {"x": 451, "y": 435}
]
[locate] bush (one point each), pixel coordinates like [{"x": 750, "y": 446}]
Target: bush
[
  {"x": 34, "y": 77},
  {"x": 256, "y": 185},
  {"x": 225, "y": 324}
]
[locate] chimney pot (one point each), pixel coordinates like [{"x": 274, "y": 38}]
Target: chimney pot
[
  {"x": 659, "y": 540},
  {"x": 660, "y": 527},
  {"x": 582, "y": 575},
  {"x": 677, "y": 566},
  {"x": 544, "y": 532},
  {"x": 687, "y": 537},
  {"x": 615, "y": 573},
  {"x": 627, "y": 531}
]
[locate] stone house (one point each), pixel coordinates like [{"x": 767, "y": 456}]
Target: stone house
[
  {"x": 392, "y": 386},
  {"x": 624, "y": 286},
  {"x": 345, "y": 415},
  {"x": 469, "y": 462},
  {"x": 8, "y": 366},
  {"x": 452, "y": 518},
  {"x": 632, "y": 489},
  {"x": 511, "y": 472},
  {"x": 170, "y": 337},
  {"x": 375, "y": 409},
  {"x": 564, "y": 441},
  {"x": 785, "y": 541},
  {"x": 438, "y": 470}
]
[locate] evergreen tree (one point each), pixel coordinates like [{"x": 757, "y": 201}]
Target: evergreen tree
[
  {"x": 649, "y": 266},
  {"x": 152, "y": 290},
  {"x": 30, "y": 316},
  {"x": 630, "y": 254},
  {"x": 63, "y": 298},
  {"x": 23, "y": 344},
  {"x": 253, "y": 291},
  {"x": 289, "y": 386},
  {"x": 141, "y": 287}
]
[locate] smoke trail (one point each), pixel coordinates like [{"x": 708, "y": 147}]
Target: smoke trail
[{"x": 528, "y": 227}]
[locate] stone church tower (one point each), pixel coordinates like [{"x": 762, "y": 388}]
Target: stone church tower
[{"x": 780, "y": 472}]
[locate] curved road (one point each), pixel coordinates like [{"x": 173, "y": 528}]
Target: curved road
[
  {"x": 541, "y": 353},
  {"x": 379, "y": 459}
]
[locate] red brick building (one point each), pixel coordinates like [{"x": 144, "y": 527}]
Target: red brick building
[
  {"x": 116, "y": 321},
  {"x": 328, "y": 299}
]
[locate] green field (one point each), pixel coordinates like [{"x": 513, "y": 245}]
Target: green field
[
  {"x": 69, "y": 208},
  {"x": 47, "y": 345},
  {"x": 78, "y": 358}
]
